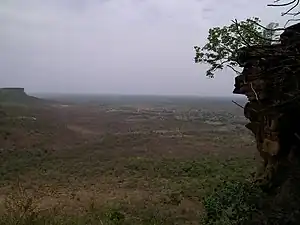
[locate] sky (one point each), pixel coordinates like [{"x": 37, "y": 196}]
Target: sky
[{"x": 116, "y": 46}]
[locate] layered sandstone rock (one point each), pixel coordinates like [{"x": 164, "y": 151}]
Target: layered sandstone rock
[{"x": 271, "y": 81}]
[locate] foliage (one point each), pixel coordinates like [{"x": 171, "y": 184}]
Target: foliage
[
  {"x": 177, "y": 184},
  {"x": 223, "y": 43},
  {"x": 233, "y": 203}
]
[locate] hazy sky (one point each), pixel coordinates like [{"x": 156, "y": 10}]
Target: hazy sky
[{"x": 115, "y": 46}]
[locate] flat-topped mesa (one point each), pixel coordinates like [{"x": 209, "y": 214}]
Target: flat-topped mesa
[
  {"x": 17, "y": 95},
  {"x": 12, "y": 89}
]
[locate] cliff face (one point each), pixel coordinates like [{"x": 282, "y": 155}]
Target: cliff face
[{"x": 271, "y": 81}]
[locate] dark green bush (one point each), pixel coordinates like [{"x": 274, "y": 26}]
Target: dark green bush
[{"x": 232, "y": 203}]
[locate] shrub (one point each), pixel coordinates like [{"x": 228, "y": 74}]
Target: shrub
[{"x": 232, "y": 203}]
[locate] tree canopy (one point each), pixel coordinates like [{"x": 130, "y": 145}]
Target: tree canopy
[{"x": 223, "y": 42}]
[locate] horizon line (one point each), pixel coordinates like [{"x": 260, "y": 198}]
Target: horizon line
[{"x": 141, "y": 94}]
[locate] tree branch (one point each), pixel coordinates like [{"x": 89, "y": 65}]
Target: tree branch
[
  {"x": 231, "y": 51},
  {"x": 237, "y": 28},
  {"x": 263, "y": 38},
  {"x": 283, "y": 4},
  {"x": 231, "y": 67},
  {"x": 276, "y": 29},
  {"x": 297, "y": 3},
  {"x": 293, "y": 14},
  {"x": 290, "y": 21}
]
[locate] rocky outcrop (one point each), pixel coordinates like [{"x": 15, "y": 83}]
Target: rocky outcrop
[{"x": 271, "y": 81}]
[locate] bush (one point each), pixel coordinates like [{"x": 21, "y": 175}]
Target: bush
[{"x": 233, "y": 203}]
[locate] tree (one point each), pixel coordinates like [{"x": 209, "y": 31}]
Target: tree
[{"x": 223, "y": 43}]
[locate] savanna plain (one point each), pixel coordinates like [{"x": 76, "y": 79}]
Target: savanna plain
[{"x": 125, "y": 160}]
